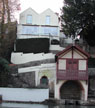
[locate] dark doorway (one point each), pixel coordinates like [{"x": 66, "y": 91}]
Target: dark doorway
[
  {"x": 44, "y": 81},
  {"x": 71, "y": 90}
]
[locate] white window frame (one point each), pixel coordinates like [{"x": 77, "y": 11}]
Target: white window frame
[
  {"x": 29, "y": 19},
  {"x": 47, "y": 19}
]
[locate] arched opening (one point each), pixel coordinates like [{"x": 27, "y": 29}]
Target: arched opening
[
  {"x": 71, "y": 90},
  {"x": 44, "y": 81}
]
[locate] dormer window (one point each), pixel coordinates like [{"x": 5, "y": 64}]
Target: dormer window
[
  {"x": 29, "y": 19},
  {"x": 47, "y": 20}
]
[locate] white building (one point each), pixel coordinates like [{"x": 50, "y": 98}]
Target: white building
[
  {"x": 44, "y": 72},
  {"x": 41, "y": 27},
  {"x": 31, "y": 24}
]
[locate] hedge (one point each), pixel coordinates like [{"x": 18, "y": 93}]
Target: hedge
[{"x": 34, "y": 45}]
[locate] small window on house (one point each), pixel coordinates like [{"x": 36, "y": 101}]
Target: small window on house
[
  {"x": 47, "y": 20},
  {"x": 29, "y": 19}
]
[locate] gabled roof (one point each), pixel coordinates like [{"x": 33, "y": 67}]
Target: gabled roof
[
  {"x": 71, "y": 47},
  {"x": 47, "y": 11},
  {"x": 36, "y": 12},
  {"x": 27, "y": 10}
]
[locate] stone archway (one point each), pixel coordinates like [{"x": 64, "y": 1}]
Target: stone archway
[{"x": 71, "y": 90}]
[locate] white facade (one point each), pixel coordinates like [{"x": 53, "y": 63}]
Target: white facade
[
  {"x": 56, "y": 48},
  {"x": 38, "y": 25},
  {"x": 34, "y": 25},
  {"x": 47, "y": 70},
  {"x": 29, "y": 11},
  {"x": 39, "y": 19},
  {"x": 20, "y": 58},
  {"x": 24, "y": 95}
]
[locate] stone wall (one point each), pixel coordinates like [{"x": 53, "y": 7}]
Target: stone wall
[
  {"x": 22, "y": 80},
  {"x": 27, "y": 79},
  {"x": 91, "y": 71},
  {"x": 91, "y": 86}
]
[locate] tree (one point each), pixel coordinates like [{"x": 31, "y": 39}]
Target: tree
[
  {"x": 11, "y": 7},
  {"x": 78, "y": 15},
  {"x": 7, "y": 43},
  {"x": 2, "y": 17},
  {"x": 4, "y": 73},
  {"x": 7, "y": 26},
  {"x": 7, "y": 11},
  {"x": 7, "y": 36}
]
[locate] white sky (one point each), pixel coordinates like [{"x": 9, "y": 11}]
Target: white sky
[{"x": 41, "y": 5}]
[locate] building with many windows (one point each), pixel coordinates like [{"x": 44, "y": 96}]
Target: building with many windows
[
  {"x": 31, "y": 24},
  {"x": 34, "y": 51},
  {"x": 37, "y": 44}
]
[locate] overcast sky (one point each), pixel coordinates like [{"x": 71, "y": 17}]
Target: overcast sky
[{"x": 41, "y": 5}]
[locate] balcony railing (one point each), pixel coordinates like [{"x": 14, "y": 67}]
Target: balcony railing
[{"x": 72, "y": 75}]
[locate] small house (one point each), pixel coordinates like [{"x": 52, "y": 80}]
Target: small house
[{"x": 72, "y": 74}]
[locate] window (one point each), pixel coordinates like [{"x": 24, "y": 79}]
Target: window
[
  {"x": 47, "y": 20},
  {"x": 33, "y": 30},
  {"x": 82, "y": 64},
  {"x": 62, "y": 64},
  {"x": 29, "y": 19},
  {"x": 72, "y": 64},
  {"x": 52, "y": 31}
]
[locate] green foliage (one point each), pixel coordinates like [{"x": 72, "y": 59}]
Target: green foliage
[
  {"x": 7, "y": 43},
  {"x": 89, "y": 35},
  {"x": 78, "y": 15},
  {"x": 4, "y": 72},
  {"x": 91, "y": 63},
  {"x": 34, "y": 45}
]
